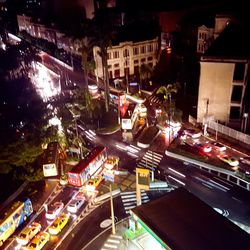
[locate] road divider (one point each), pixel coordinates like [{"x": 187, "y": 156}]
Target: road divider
[{"x": 107, "y": 195}]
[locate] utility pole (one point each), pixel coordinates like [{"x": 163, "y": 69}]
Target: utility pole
[
  {"x": 153, "y": 176},
  {"x": 216, "y": 132},
  {"x": 112, "y": 210}
]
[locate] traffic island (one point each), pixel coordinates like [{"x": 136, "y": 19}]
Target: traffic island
[{"x": 147, "y": 136}]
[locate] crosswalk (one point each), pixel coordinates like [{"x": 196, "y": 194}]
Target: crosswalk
[
  {"x": 130, "y": 149},
  {"x": 129, "y": 199},
  {"x": 112, "y": 242},
  {"x": 155, "y": 99},
  {"x": 150, "y": 160}
]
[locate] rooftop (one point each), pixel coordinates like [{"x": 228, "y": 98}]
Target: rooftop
[
  {"x": 232, "y": 43},
  {"x": 183, "y": 221}
]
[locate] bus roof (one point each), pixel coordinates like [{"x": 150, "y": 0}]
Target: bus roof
[
  {"x": 89, "y": 158},
  {"x": 51, "y": 152},
  {"x": 9, "y": 210},
  {"x": 130, "y": 110}
]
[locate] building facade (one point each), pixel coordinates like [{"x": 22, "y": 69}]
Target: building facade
[
  {"x": 206, "y": 35},
  {"x": 39, "y": 30},
  {"x": 205, "y": 38},
  {"x": 126, "y": 58},
  {"x": 222, "y": 88}
]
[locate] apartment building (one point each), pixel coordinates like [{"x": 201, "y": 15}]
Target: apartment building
[
  {"x": 224, "y": 74},
  {"x": 126, "y": 58}
]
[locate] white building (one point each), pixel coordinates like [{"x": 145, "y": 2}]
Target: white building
[
  {"x": 126, "y": 58},
  {"x": 224, "y": 73},
  {"x": 205, "y": 38}
]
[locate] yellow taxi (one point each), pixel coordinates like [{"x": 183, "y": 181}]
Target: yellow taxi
[
  {"x": 111, "y": 162},
  {"x": 38, "y": 241},
  {"x": 58, "y": 224},
  {"x": 93, "y": 183},
  {"x": 28, "y": 233}
]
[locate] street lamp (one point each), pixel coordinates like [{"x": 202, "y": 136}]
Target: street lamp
[
  {"x": 111, "y": 208},
  {"x": 77, "y": 135}
]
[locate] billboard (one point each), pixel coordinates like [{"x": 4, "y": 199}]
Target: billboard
[{"x": 143, "y": 178}]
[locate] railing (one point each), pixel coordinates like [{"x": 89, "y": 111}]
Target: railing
[
  {"x": 219, "y": 128},
  {"x": 226, "y": 174},
  {"x": 229, "y": 132}
]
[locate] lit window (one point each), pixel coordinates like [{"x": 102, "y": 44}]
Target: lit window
[
  {"x": 136, "y": 51},
  {"x": 150, "y": 48},
  {"x": 126, "y": 53},
  {"x": 116, "y": 54},
  {"x": 142, "y": 49}
]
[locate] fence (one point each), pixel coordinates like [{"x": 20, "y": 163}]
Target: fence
[
  {"x": 229, "y": 132},
  {"x": 228, "y": 175},
  {"x": 219, "y": 128}
]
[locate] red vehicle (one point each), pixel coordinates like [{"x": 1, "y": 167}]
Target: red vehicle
[{"x": 88, "y": 166}]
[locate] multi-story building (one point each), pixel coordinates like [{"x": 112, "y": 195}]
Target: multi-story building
[
  {"x": 205, "y": 38},
  {"x": 126, "y": 58},
  {"x": 224, "y": 73},
  {"x": 207, "y": 35},
  {"x": 40, "y": 30}
]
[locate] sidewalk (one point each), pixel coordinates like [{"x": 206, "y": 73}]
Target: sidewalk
[{"x": 116, "y": 241}]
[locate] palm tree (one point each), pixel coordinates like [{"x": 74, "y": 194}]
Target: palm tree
[
  {"x": 103, "y": 34},
  {"x": 84, "y": 46},
  {"x": 145, "y": 73},
  {"x": 168, "y": 90}
]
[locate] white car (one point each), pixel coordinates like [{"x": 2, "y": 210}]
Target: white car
[
  {"x": 219, "y": 146},
  {"x": 74, "y": 205},
  {"x": 54, "y": 210}
]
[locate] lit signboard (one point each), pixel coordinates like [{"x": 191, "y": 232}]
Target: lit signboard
[
  {"x": 143, "y": 178},
  {"x": 133, "y": 84}
]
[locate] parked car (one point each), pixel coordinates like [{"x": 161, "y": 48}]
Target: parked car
[
  {"x": 74, "y": 205},
  {"x": 229, "y": 160},
  {"x": 218, "y": 146},
  {"x": 28, "y": 233},
  {"x": 54, "y": 210},
  {"x": 58, "y": 224},
  {"x": 38, "y": 241}
]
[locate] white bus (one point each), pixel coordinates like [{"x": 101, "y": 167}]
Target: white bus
[
  {"x": 129, "y": 118},
  {"x": 52, "y": 160}
]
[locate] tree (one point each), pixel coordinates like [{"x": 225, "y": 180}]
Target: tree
[
  {"x": 103, "y": 34},
  {"x": 169, "y": 106},
  {"x": 85, "y": 46},
  {"x": 145, "y": 73},
  {"x": 168, "y": 90}
]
